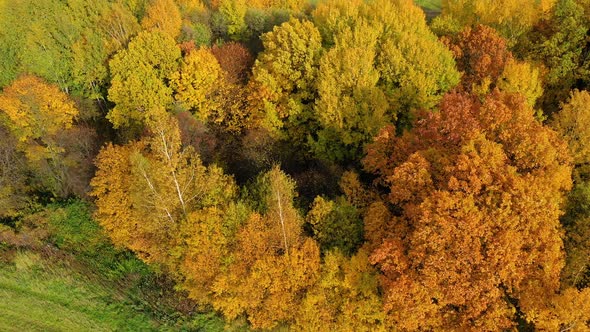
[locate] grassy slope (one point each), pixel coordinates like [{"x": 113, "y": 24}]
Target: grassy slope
[
  {"x": 434, "y": 5},
  {"x": 42, "y": 296}
]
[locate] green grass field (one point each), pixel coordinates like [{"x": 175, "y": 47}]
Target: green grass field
[
  {"x": 37, "y": 296},
  {"x": 434, "y": 5}
]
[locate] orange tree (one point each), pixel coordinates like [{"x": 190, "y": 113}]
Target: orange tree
[{"x": 473, "y": 231}]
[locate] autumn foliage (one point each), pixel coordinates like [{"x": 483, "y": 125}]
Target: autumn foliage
[
  {"x": 315, "y": 165},
  {"x": 474, "y": 191}
]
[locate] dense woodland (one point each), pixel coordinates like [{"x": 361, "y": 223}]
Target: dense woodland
[{"x": 314, "y": 166}]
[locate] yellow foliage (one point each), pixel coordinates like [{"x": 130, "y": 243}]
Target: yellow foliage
[
  {"x": 345, "y": 298},
  {"x": 285, "y": 72},
  {"x": 139, "y": 77},
  {"x": 511, "y": 17},
  {"x": 573, "y": 122},
  {"x": 523, "y": 78},
  {"x": 36, "y": 109},
  {"x": 197, "y": 83},
  {"x": 37, "y": 112},
  {"x": 294, "y": 5},
  {"x": 567, "y": 311},
  {"x": 188, "y": 7},
  {"x": 163, "y": 15},
  {"x": 273, "y": 264},
  {"x": 156, "y": 198},
  {"x": 350, "y": 105}
]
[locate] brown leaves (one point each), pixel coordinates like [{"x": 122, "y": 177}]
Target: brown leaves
[
  {"x": 481, "y": 56},
  {"x": 235, "y": 59}
]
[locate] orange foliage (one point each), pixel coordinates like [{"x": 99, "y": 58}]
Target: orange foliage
[
  {"x": 42, "y": 120},
  {"x": 481, "y": 55},
  {"x": 273, "y": 263},
  {"x": 36, "y": 110},
  {"x": 480, "y": 185},
  {"x": 235, "y": 59},
  {"x": 156, "y": 198}
]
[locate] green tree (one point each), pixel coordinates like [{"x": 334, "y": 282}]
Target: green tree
[
  {"x": 561, "y": 45},
  {"x": 336, "y": 224},
  {"x": 66, "y": 43},
  {"x": 284, "y": 74},
  {"x": 140, "y": 76},
  {"x": 107, "y": 29}
]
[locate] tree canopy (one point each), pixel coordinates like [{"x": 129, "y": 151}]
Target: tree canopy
[{"x": 309, "y": 165}]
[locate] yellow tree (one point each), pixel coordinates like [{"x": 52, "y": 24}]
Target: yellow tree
[
  {"x": 107, "y": 28},
  {"x": 155, "y": 197},
  {"x": 512, "y": 18},
  {"x": 234, "y": 13},
  {"x": 188, "y": 7},
  {"x": 569, "y": 311},
  {"x": 38, "y": 115},
  {"x": 163, "y": 15},
  {"x": 197, "y": 83},
  {"x": 36, "y": 111},
  {"x": 345, "y": 297},
  {"x": 140, "y": 76},
  {"x": 384, "y": 63},
  {"x": 522, "y": 77},
  {"x": 333, "y": 16},
  {"x": 572, "y": 122},
  {"x": 415, "y": 68},
  {"x": 285, "y": 72},
  {"x": 273, "y": 263},
  {"x": 350, "y": 108}
]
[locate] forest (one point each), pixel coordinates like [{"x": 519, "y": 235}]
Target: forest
[{"x": 295, "y": 165}]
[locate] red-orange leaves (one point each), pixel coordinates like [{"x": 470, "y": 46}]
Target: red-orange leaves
[
  {"x": 477, "y": 188},
  {"x": 481, "y": 55}
]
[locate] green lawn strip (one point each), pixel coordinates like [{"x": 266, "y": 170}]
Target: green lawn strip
[
  {"x": 63, "y": 301},
  {"x": 434, "y": 5},
  {"x": 27, "y": 312}
]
